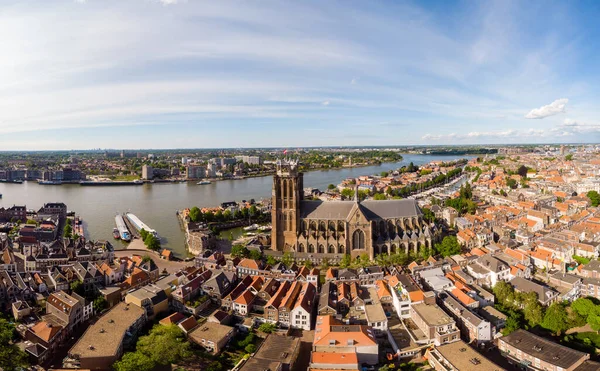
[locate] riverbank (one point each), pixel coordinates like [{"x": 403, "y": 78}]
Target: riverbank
[{"x": 156, "y": 204}]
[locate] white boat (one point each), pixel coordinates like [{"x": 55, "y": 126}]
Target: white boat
[
  {"x": 264, "y": 228},
  {"x": 252, "y": 227},
  {"x": 204, "y": 182},
  {"x": 139, "y": 225}
]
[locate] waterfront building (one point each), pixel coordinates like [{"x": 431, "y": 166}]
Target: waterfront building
[
  {"x": 317, "y": 229},
  {"x": 195, "y": 172},
  {"x": 147, "y": 172}
]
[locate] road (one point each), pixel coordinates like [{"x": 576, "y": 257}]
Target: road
[{"x": 170, "y": 266}]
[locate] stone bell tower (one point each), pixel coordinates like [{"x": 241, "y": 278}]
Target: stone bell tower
[{"x": 288, "y": 191}]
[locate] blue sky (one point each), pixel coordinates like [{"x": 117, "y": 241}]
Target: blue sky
[{"x": 78, "y": 74}]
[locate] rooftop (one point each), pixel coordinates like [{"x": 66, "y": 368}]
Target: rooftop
[
  {"x": 432, "y": 314},
  {"x": 103, "y": 338},
  {"x": 544, "y": 349},
  {"x": 465, "y": 358}
]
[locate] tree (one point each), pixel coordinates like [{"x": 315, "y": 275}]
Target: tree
[
  {"x": 346, "y": 261},
  {"x": 347, "y": 193},
  {"x": 195, "y": 214},
  {"x": 331, "y": 187},
  {"x": 384, "y": 174},
  {"x": 267, "y": 327},
  {"x": 100, "y": 304},
  {"x": 255, "y": 255},
  {"x": 143, "y": 234},
  {"x": 512, "y": 324},
  {"x": 449, "y": 246},
  {"x": 556, "y": 319},
  {"x": 380, "y": 197},
  {"x": 503, "y": 290},
  {"x": 133, "y": 361},
  {"x": 583, "y": 307},
  {"x": 68, "y": 230},
  {"x": 594, "y": 197},
  {"x": 12, "y": 358},
  {"x": 594, "y": 320},
  {"x": 271, "y": 260},
  {"x": 250, "y": 348},
  {"x": 533, "y": 311},
  {"x": 287, "y": 259},
  {"x": 308, "y": 264},
  {"x": 522, "y": 171},
  {"x": 569, "y": 157},
  {"x": 511, "y": 183},
  {"x": 77, "y": 287},
  {"x": 164, "y": 345},
  {"x": 239, "y": 251},
  {"x": 214, "y": 366},
  {"x": 152, "y": 242}
]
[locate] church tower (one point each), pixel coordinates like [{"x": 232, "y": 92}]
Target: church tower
[{"x": 288, "y": 191}]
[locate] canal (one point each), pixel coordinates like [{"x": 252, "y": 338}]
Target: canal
[{"x": 155, "y": 204}]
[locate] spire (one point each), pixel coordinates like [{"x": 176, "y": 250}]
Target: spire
[{"x": 356, "y": 198}]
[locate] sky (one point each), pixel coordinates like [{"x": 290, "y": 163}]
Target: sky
[{"x": 82, "y": 74}]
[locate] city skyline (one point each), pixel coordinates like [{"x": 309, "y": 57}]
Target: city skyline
[{"x": 184, "y": 74}]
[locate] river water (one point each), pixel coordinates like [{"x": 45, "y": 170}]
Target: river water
[{"x": 155, "y": 204}]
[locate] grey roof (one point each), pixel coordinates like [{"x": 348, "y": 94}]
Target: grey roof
[
  {"x": 459, "y": 309},
  {"x": 544, "y": 349},
  {"x": 372, "y": 209},
  {"x": 588, "y": 366},
  {"x": 568, "y": 278},
  {"x": 491, "y": 263},
  {"x": 544, "y": 293},
  {"x": 387, "y": 209},
  {"x": 337, "y": 210}
]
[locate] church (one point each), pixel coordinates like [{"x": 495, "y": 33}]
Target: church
[{"x": 330, "y": 229}]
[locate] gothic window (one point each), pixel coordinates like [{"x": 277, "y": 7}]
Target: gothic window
[
  {"x": 311, "y": 248},
  {"x": 331, "y": 249},
  {"x": 321, "y": 249},
  {"x": 301, "y": 248},
  {"x": 358, "y": 240},
  {"x": 341, "y": 249}
]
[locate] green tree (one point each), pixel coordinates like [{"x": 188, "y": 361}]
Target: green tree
[
  {"x": 68, "y": 231},
  {"x": 346, "y": 261},
  {"x": 271, "y": 260},
  {"x": 511, "y": 183},
  {"x": 214, "y": 366},
  {"x": 331, "y": 187},
  {"x": 227, "y": 215},
  {"x": 195, "y": 214},
  {"x": 569, "y": 157},
  {"x": 164, "y": 345},
  {"x": 267, "y": 327},
  {"x": 449, "y": 246},
  {"x": 77, "y": 287},
  {"x": 503, "y": 290},
  {"x": 583, "y": 307},
  {"x": 100, "y": 304},
  {"x": 143, "y": 234},
  {"x": 512, "y": 324},
  {"x": 134, "y": 361},
  {"x": 287, "y": 259},
  {"x": 308, "y": 264},
  {"x": 255, "y": 255},
  {"x": 380, "y": 197},
  {"x": 239, "y": 251},
  {"x": 12, "y": 358},
  {"x": 347, "y": 193},
  {"x": 384, "y": 174},
  {"x": 250, "y": 348},
  {"x": 532, "y": 309},
  {"x": 152, "y": 242},
  {"x": 556, "y": 319},
  {"x": 594, "y": 198}
]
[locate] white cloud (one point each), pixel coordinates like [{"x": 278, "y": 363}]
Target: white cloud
[
  {"x": 168, "y": 2},
  {"x": 569, "y": 122},
  {"x": 554, "y": 108},
  {"x": 325, "y": 103},
  {"x": 354, "y": 81}
]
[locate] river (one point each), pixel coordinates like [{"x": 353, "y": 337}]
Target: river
[{"x": 155, "y": 204}]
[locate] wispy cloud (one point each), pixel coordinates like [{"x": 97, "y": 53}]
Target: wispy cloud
[{"x": 554, "y": 108}]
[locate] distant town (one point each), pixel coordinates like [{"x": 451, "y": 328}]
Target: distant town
[{"x": 487, "y": 259}]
